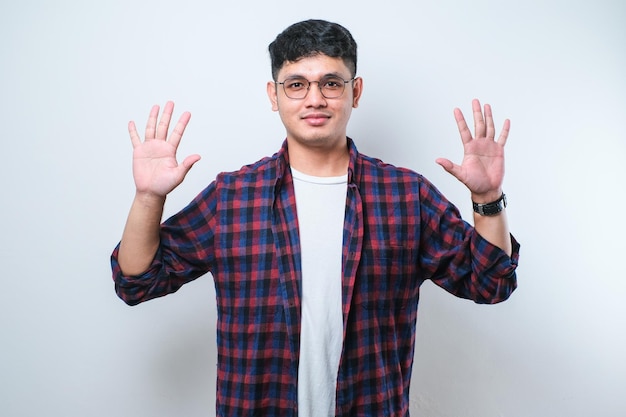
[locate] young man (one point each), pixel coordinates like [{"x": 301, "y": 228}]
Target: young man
[{"x": 317, "y": 252}]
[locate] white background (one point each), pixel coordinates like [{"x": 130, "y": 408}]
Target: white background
[{"x": 74, "y": 72}]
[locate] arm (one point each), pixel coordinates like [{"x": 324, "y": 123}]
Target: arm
[
  {"x": 156, "y": 173},
  {"x": 482, "y": 171}
]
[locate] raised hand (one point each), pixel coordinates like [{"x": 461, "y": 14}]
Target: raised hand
[
  {"x": 482, "y": 168},
  {"x": 155, "y": 168}
]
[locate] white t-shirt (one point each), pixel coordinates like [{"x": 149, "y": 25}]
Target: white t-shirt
[{"x": 321, "y": 203}]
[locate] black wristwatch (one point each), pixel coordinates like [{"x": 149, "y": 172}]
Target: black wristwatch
[{"x": 489, "y": 209}]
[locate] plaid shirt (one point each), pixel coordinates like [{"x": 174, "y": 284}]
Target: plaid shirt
[{"x": 399, "y": 231}]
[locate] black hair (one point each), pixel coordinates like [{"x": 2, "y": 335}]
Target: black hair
[{"x": 309, "y": 38}]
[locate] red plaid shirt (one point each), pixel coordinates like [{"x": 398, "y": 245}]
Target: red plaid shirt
[{"x": 399, "y": 231}]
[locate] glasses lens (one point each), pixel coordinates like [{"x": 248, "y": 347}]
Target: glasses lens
[
  {"x": 296, "y": 87},
  {"x": 332, "y": 87}
]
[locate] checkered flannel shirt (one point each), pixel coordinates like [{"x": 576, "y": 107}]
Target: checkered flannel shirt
[{"x": 399, "y": 231}]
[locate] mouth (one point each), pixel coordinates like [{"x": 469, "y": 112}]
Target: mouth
[{"x": 316, "y": 119}]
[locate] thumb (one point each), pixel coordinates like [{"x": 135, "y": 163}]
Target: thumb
[
  {"x": 450, "y": 167},
  {"x": 189, "y": 162}
]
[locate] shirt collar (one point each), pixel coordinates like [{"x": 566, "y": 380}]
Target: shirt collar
[{"x": 282, "y": 158}]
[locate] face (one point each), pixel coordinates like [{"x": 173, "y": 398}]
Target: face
[{"x": 315, "y": 121}]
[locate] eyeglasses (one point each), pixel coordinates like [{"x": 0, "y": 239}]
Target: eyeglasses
[{"x": 330, "y": 86}]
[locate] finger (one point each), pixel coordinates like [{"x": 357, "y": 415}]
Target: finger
[
  {"x": 189, "y": 161},
  {"x": 152, "y": 122},
  {"x": 491, "y": 130},
  {"x": 450, "y": 167},
  {"x": 164, "y": 123},
  {"x": 186, "y": 165},
  {"x": 179, "y": 129},
  {"x": 445, "y": 163},
  {"x": 466, "y": 135},
  {"x": 479, "y": 122},
  {"x": 134, "y": 136},
  {"x": 504, "y": 135}
]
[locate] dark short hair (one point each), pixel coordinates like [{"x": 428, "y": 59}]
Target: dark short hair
[{"x": 310, "y": 38}]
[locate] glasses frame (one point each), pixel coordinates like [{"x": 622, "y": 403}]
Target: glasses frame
[{"x": 308, "y": 87}]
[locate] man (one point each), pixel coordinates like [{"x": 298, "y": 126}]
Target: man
[{"x": 317, "y": 252}]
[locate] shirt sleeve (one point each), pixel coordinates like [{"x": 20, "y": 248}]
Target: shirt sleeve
[
  {"x": 456, "y": 258},
  {"x": 186, "y": 252}
]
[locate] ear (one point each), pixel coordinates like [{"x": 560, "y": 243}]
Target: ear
[
  {"x": 272, "y": 93},
  {"x": 357, "y": 90}
]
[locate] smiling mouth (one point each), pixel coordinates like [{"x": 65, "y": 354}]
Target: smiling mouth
[{"x": 316, "y": 119}]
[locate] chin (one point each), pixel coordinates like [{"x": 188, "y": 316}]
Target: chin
[{"x": 318, "y": 141}]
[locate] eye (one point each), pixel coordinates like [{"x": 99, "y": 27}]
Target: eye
[
  {"x": 295, "y": 84},
  {"x": 333, "y": 83}
]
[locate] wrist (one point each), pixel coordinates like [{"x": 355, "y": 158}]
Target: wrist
[
  {"x": 488, "y": 197},
  {"x": 491, "y": 208},
  {"x": 149, "y": 199}
]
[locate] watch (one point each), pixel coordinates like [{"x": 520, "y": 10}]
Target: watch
[{"x": 489, "y": 209}]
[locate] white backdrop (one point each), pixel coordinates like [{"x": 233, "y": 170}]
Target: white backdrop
[{"x": 73, "y": 73}]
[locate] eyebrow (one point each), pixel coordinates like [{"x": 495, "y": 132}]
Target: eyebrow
[{"x": 330, "y": 74}]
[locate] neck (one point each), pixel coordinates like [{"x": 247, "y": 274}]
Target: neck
[{"x": 319, "y": 162}]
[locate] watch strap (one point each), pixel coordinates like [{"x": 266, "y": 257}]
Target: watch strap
[{"x": 490, "y": 209}]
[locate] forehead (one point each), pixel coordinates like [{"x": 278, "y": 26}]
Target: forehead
[{"x": 314, "y": 67}]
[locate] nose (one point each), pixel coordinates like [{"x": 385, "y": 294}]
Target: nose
[{"x": 315, "y": 96}]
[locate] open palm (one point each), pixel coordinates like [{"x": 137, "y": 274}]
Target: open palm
[
  {"x": 482, "y": 168},
  {"x": 155, "y": 168}
]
